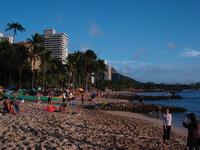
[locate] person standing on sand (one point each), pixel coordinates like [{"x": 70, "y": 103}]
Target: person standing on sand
[
  {"x": 191, "y": 122},
  {"x": 82, "y": 98},
  {"x": 64, "y": 97},
  {"x": 49, "y": 98},
  {"x": 167, "y": 123}
]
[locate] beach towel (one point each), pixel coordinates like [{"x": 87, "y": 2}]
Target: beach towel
[{"x": 50, "y": 108}]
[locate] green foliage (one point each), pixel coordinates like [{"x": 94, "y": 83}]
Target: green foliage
[
  {"x": 13, "y": 60},
  {"x": 18, "y": 66},
  {"x": 15, "y": 27},
  {"x": 81, "y": 65}
]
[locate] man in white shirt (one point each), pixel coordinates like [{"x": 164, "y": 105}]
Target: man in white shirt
[{"x": 167, "y": 123}]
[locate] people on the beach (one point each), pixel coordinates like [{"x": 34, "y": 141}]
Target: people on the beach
[
  {"x": 62, "y": 107},
  {"x": 93, "y": 95},
  {"x": 141, "y": 100},
  {"x": 82, "y": 98},
  {"x": 11, "y": 106},
  {"x": 38, "y": 98},
  {"x": 191, "y": 122},
  {"x": 49, "y": 97},
  {"x": 6, "y": 106},
  {"x": 52, "y": 108},
  {"x": 64, "y": 97},
  {"x": 167, "y": 123},
  {"x": 71, "y": 95}
]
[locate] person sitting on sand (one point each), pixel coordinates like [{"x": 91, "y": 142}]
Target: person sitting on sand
[
  {"x": 167, "y": 123},
  {"x": 16, "y": 106},
  {"x": 11, "y": 107},
  {"x": 6, "y": 106},
  {"x": 192, "y": 124}
]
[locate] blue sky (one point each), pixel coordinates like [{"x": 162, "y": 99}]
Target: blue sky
[{"x": 149, "y": 40}]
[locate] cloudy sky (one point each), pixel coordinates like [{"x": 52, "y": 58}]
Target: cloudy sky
[{"x": 149, "y": 40}]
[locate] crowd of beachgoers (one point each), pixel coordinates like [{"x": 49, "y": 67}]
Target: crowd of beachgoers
[
  {"x": 66, "y": 124},
  {"x": 78, "y": 128}
]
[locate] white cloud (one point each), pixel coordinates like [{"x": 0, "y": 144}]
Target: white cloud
[
  {"x": 84, "y": 49},
  {"x": 121, "y": 62},
  {"x": 94, "y": 30},
  {"x": 188, "y": 52},
  {"x": 171, "y": 45},
  {"x": 85, "y": 46}
]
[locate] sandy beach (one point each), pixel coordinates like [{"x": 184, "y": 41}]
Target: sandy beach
[{"x": 83, "y": 129}]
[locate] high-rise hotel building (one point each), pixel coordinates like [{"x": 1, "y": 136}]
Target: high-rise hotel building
[{"x": 57, "y": 44}]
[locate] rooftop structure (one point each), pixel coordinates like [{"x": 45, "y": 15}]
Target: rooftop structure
[{"x": 6, "y": 38}]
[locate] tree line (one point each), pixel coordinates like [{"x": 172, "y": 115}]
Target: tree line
[{"x": 19, "y": 65}]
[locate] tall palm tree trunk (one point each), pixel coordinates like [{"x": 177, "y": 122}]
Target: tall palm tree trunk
[
  {"x": 33, "y": 78},
  {"x": 20, "y": 77}
]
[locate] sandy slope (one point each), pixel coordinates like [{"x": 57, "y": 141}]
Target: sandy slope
[{"x": 87, "y": 129}]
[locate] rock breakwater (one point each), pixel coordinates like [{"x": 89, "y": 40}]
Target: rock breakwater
[
  {"x": 134, "y": 107},
  {"x": 141, "y": 97}
]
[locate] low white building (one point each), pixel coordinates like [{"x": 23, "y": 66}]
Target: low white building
[
  {"x": 57, "y": 44},
  {"x": 6, "y": 38}
]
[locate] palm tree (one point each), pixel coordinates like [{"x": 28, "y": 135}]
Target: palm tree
[
  {"x": 56, "y": 72},
  {"x": 45, "y": 59},
  {"x": 100, "y": 69},
  {"x": 36, "y": 49},
  {"x": 21, "y": 61},
  {"x": 71, "y": 60},
  {"x": 15, "y": 27},
  {"x": 89, "y": 66}
]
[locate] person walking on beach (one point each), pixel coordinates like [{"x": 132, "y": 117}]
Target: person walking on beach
[
  {"x": 64, "y": 97},
  {"x": 192, "y": 124},
  {"x": 167, "y": 123},
  {"x": 82, "y": 98},
  {"x": 49, "y": 98}
]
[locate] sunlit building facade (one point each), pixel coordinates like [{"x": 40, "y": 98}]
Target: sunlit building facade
[{"x": 57, "y": 44}]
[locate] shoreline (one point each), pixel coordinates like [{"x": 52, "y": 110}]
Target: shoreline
[{"x": 178, "y": 130}]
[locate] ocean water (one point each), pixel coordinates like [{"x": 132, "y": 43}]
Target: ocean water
[{"x": 190, "y": 101}]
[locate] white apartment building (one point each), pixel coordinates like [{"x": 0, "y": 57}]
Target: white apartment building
[
  {"x": 57, "y": 44},
  {"x": 108, "y": 73},
  {"x": 6, "y": 38}
]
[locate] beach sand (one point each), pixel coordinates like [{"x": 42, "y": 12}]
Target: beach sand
[{"x": 83, "y": 129}]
